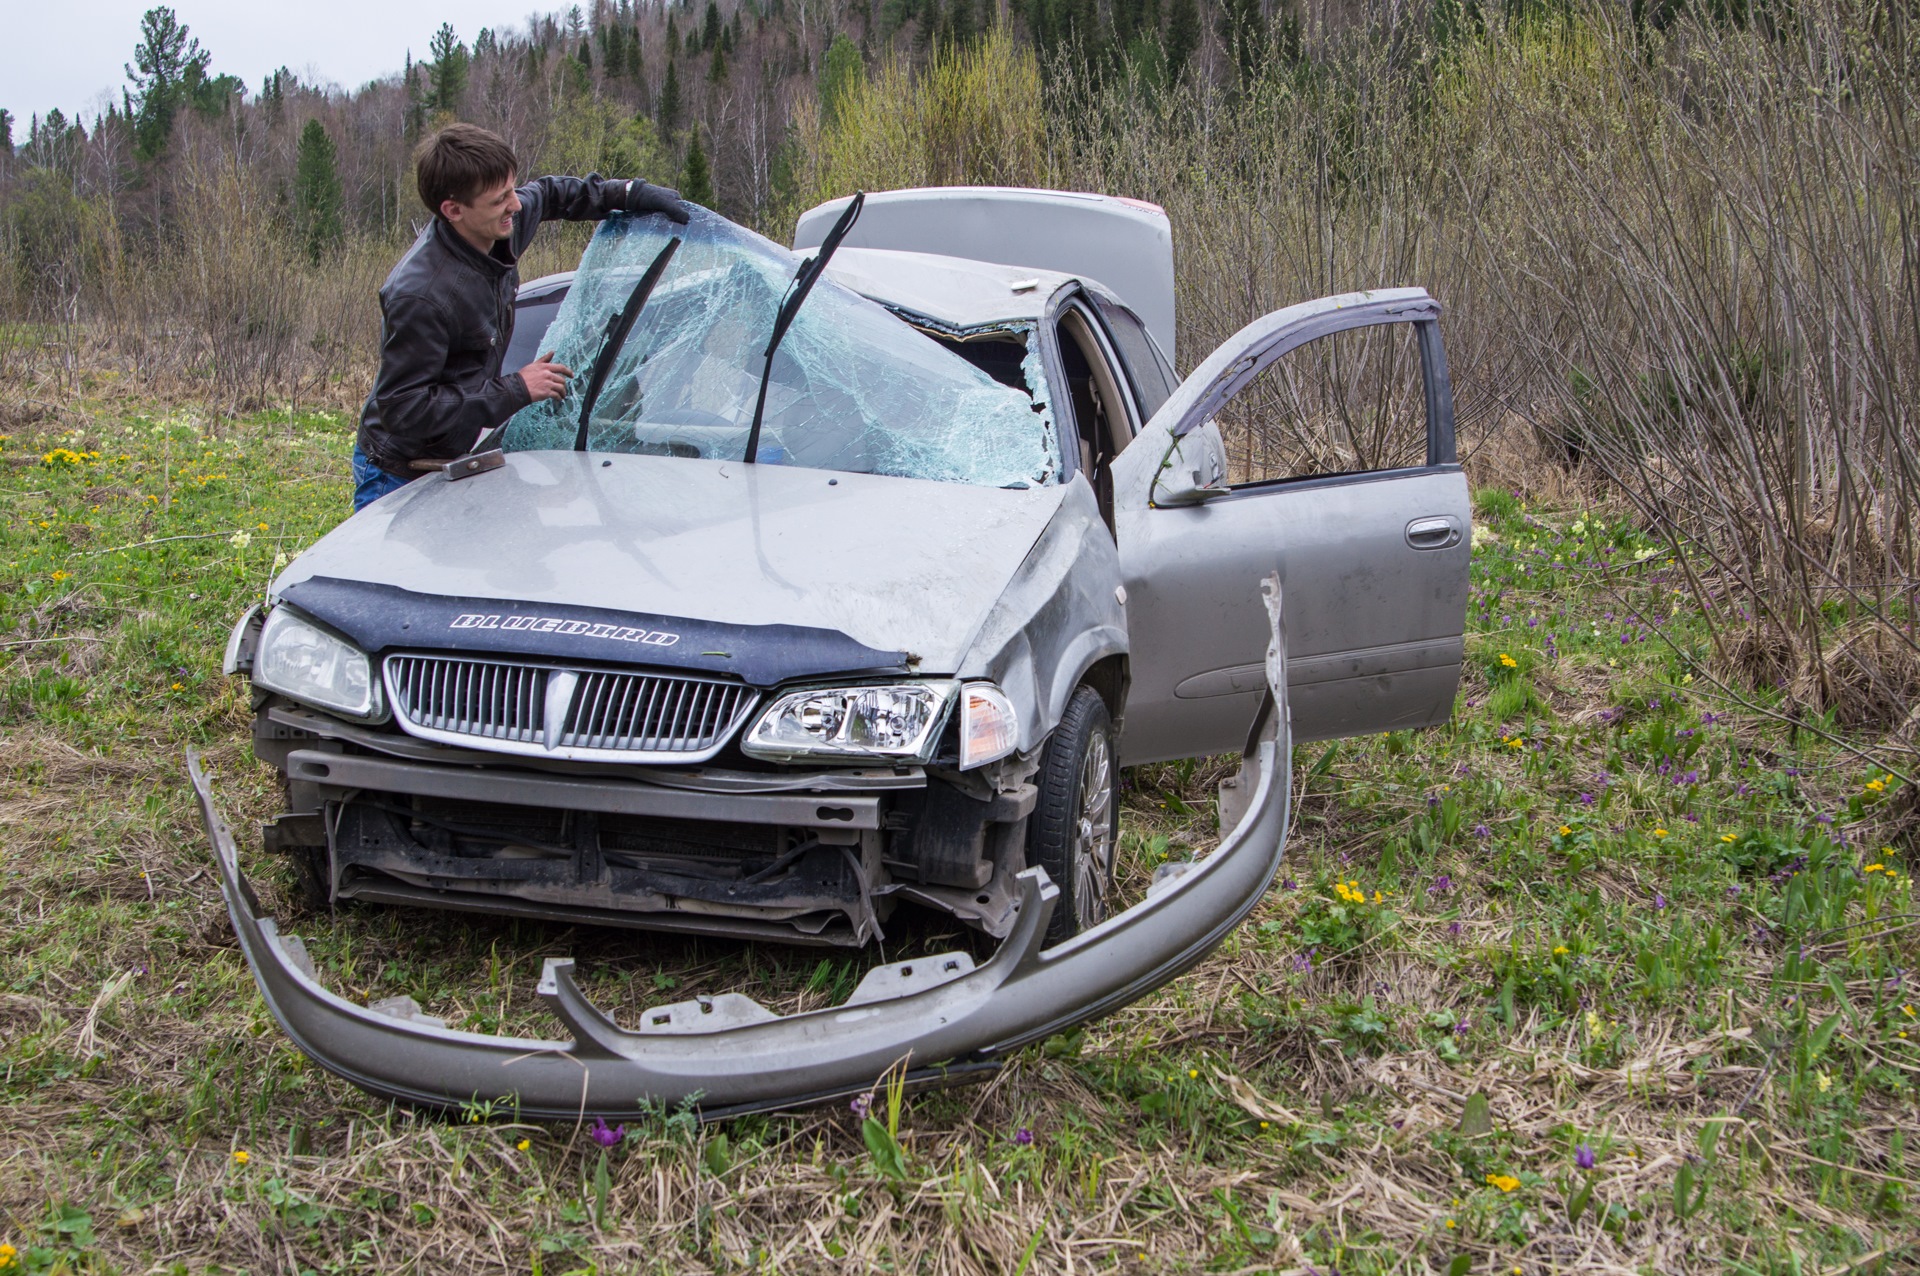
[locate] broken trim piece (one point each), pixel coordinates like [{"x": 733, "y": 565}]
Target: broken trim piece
[{"x": 728, "y": 1054}]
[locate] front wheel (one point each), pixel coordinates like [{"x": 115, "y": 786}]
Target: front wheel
[{"x": 1075, "y": 827}]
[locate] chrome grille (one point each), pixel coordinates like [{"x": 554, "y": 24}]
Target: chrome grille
[
  {"x": 470, "y": 697},
  {"x": 551, "y": 711}
]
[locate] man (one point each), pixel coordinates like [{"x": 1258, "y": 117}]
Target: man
[{"x": 448, "y": 306}]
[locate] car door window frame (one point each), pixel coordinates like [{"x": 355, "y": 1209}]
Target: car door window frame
[{"x": 1195, "y": 402}]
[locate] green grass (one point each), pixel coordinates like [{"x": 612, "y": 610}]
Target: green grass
[{"x": 1607, "y": 906}]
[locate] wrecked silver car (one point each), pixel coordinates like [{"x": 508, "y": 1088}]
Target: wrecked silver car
[{"x": 823, "y": 591}]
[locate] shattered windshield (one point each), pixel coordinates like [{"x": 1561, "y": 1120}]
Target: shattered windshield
[{"x": 853, "y": 388}]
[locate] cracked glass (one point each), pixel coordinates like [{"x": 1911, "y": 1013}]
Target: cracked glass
[{"x": 853, "y": 388}]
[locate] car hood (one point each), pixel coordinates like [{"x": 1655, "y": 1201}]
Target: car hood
[{"x": 896, "y": 565}]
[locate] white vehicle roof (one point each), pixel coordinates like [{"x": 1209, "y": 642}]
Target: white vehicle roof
[{"x": 1124, "y": 244}]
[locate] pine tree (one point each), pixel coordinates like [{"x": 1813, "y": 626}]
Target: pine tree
[
  {"x": 717, "y": 69},
  {"x": 840, "y": 70},
  {"x": 673, "y": 38},
  {"x": 316, "y": 191},
  {"x": 166, "y": 62},
  {"x": 448, "y": 70},
  {"x": 710, "y": 27},
  {"x": 696, "y": 182},
  {"x": 6, "y": 133},
  {"x": 416, "y": 98},
  {"x": 1183, "y": 35},
  {"x": 486, "y": 44},
  {"x": 670, "y": 99}
]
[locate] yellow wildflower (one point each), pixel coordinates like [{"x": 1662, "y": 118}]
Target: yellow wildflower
[
  {"x": 1193, "y": 1074},
  {"x": 176, "y": 687},
  {"x": 60, "y": 576},
  {"x": 7, "y": 1253},
  {"x": 240, "y": 1156},
  {"x": 1451, "y": 1223},
  {"x": 1874, "y": 868},
  {"x": 1659, "y": 832},
  {"x": 1561, "y": 950},
  {"x": 1268, "y": 1125},
  {"x": 1907, "y": 1011},
  {"x": 1876, "y": 786},
  {"x": 1728, "y": 837},
  {"x": 1824, "y": 1081},
  {"x": 261, "y": 526},
  {"x": 1509, "y": 661},
  {"x": 1505, "y": 1182},
  {"x": 1566, "y": 831}
]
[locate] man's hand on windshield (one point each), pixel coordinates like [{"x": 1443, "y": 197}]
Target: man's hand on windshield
[
  {"x": 545, "y": 379},
  {"x": 645, "y": 197}
]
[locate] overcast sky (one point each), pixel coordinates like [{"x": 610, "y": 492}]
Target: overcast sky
[{"x": 70, "y": 53}]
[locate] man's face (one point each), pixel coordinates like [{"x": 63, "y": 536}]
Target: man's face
[{"x": 488, "y": 218}]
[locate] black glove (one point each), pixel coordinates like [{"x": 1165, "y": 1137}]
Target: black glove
[{"x": 645, "y": 197}]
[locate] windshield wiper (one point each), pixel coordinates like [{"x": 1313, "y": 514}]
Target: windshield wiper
[
  {"x": 618, "y": 329},
  {"x": 803, "y": 283}
]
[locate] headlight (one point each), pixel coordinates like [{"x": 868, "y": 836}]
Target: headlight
[
  {"x": 895, "y": 723},
  {"x": 989, "y": 729},
  {"x": 297, "y": 658}
]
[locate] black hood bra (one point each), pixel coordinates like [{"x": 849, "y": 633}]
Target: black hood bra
[{"x": 385, "y": 617}]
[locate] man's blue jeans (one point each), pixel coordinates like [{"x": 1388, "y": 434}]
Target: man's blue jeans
[{"x": 370, "y": 482}]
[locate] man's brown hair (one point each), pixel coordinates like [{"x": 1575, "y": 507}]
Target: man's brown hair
[{"x": 460, "y": 163}]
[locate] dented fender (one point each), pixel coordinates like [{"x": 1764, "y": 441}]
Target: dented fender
[{"x": 943, "y": 1015}]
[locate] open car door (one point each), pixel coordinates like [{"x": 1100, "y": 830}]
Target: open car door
[{"x": 1337, "y": 468}]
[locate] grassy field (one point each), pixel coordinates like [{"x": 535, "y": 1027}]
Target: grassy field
[{"x": 1613, "y": 973}]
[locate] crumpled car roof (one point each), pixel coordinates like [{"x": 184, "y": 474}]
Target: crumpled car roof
[{"x": 956, "y": 291}]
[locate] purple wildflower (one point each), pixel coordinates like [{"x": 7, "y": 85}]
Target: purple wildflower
[
  {"x": 1690, "y": 777},
  {"x": 1659, "y": 901},
  {"x": 1462, "y": 1028},
  {"x": 1023, "y": 1136},
  {"x": 1441, "y": 884},
  {"x": 861, "y": 1105},
  {"x": 1823, "y": 819},
  {"x": 1454, "y": 930},
  {"x": 606, "y": 1135},
  {"x": 1288, "y": 884},
  {"x": 1583, "y": 1157},
  {"x": 1586, "y": 799},
  {"x": 1482, "y": 831},
  {"x": 1303, "y": 962},
  {"x": 1533, "y": 622}
]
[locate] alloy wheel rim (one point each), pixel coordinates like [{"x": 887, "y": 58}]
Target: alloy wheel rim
[{"x": 1093, "y": 842}]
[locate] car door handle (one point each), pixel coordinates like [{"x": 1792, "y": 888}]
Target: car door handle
[{"x": 1436, "y": 532}]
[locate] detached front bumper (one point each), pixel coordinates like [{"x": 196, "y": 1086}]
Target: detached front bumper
[{"x": 942, "y": 1015}]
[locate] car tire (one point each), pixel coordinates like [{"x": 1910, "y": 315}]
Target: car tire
[{"x": 1074, "y": 831}]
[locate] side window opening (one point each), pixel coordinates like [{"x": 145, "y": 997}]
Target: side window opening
[
  {"x": 531, "y": 319},
  {"x": 1100, "y": 405},
  {"x": 1145, "y": 366},
  {"x": 1352, "y": 402}
]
